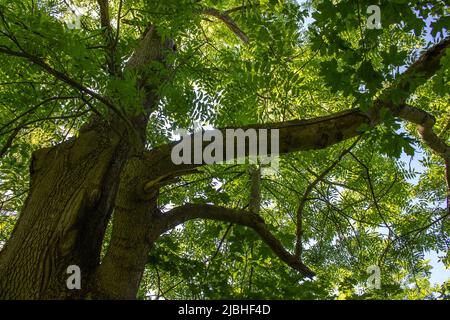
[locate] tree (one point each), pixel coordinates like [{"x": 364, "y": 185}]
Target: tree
[{"x": 88, "y": 112}]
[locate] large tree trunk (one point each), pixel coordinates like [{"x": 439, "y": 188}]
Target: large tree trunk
[
  {"x": 72, "y": 194},
  {"x": 135, "y": 229},
  {"x": 77, "y": 186}
]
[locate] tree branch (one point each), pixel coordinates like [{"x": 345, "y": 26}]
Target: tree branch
[
  {"x": 104, "y": 14},
  {"x": 372, "y": 192},
  {"x": 425, "y": 123},
  {"x": 447, "y": 180},
  {"x": 241, "y": 8},
  {"x": 187, "y": 212},
  {"x": 150, "y": 48},
  {"x": 226, "y": 19},
  {"x": 295, "y": 135},
  {"x": 424, "y": 68},
  {"x": 255, "y": 190},
  {"x": 5, "y": 126},
  {"x": 9, "y": 142},
  {"x": 305, "y": 197},
  {"x": 105, "y": 23},
  {"x": 325, "y": 131},
  {"x": 62, "y": 77}
]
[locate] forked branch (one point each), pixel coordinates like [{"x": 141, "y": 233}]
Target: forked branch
[
  {"x": 305, "y": 197},
  {"x": 187, "y": 212}
]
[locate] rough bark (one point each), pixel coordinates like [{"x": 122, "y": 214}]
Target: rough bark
[
  {"x": 325, "y": 131},
  {"x": 133, "y": 235},
  {"x": 72, "y": 192},
  {"x": 77, "y": 185}
]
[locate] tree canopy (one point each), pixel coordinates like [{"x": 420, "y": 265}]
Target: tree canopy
[{"x": 363, "y": 113}]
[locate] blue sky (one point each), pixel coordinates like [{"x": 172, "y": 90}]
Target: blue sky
[{"x": 439, "y": 274}]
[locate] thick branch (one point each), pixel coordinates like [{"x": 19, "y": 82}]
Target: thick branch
[
  {"x": 187, "y": 212},
  {"x": 226, "y": 19},
  {"x": 425, "y": 123},
  {"x": 325, "y": 131},
  {"x": 296, "y": 135},
  {"x": 104, "y": 14},
  {"x": 110, "y": 42},
  {"x": 150, "y": 48},
  {"x": 424, "y": 68}
]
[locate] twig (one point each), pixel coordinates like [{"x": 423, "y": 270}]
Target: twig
[{"x": 305, "y": 198}]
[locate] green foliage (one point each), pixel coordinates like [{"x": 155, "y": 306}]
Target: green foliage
[{"x": 371, "y": 209}]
